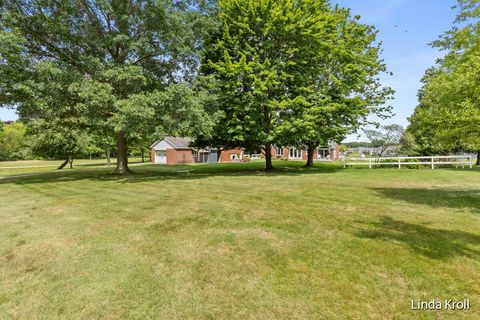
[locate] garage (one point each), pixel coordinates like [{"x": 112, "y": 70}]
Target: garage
[
  {"x": 160, "y": 156},
  {"x": 172, "y": 150}
]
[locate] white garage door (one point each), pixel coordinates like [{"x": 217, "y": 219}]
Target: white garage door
[{"x": 160, "y": 156}]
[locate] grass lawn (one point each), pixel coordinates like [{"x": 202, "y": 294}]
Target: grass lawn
[
  {"x": 229, "y": 241},
  {"x": 56, "y": 163}
]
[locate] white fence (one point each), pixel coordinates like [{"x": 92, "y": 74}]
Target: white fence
[{"x": 430, "y": 161}]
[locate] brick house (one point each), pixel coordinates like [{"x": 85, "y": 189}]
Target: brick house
[
  {"x": 327, "y": 153},
  {"x": 177, "y": 150}
]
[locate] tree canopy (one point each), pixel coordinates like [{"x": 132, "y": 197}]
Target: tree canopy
[
  {"x": 102, "y": 65},
  {"x": 272, "y": 72},
  {"x": 295, "y": 72}
]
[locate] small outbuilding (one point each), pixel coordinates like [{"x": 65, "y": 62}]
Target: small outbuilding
[{"x": 178, "y": 150}]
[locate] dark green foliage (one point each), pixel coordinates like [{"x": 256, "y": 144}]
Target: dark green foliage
[
  {"x": 100, "y": 65},
  {"x": 57, "y": 140},
  {"x": 292, "y": 72}
]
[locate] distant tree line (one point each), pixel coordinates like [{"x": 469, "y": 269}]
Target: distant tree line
[
  {"x": 229, "y": 73},
  {"x": 12, "y": 146},
  {"x": 358, "y": 144},
  {"x": 21, "y": 142}
]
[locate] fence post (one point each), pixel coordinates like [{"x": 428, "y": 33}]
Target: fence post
[
  {"x": 370, "y": 163},
  {"x": 399, "y": 164},
  {"x": 433, "y": 165}
]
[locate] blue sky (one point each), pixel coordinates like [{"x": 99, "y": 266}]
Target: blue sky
[{"x": 405, "y": 28}]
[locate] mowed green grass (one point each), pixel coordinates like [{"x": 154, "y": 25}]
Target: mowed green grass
[
  {"x": 55, "y": 163},
  {"x": 230, "y": 241}
]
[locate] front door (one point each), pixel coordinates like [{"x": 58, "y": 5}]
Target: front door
[{"x": 160, "y": 156}]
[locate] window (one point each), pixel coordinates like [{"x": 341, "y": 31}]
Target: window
[
  {"x": 323, "y": 153},
  {"x": 279, "y": 151},
  {"x": 200, "y": 156},
  {"x": 295, "y": 153}
]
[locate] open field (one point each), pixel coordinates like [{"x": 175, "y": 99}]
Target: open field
[
  {"x": 229, "y": 241},
  {"x": 56, "y": 163}
]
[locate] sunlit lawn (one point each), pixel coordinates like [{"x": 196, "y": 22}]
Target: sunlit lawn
[
  {"x": 56, "y": 163},
  {"x": 229, "y": 241}
]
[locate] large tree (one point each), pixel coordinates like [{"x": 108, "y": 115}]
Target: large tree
[
  {"x": 293, "y": 72},
  {"x": 262, "y": 60},
  {"x": 115, "y": 57},
  {"x": 448, "y": 116}
]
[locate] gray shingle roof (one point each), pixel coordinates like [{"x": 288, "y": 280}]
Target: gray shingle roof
[{"x": 179, "y": 142}]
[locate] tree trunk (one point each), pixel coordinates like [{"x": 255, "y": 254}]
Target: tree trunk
[
  {"x": 143, "y": 156},
  {"x": 122, "y": 156},
  {"x": 310, "y": 154},
  {"x": 478, "y": 159},
  {"x": 64, "y": 163},
  {"x": 71, "y": 163},
  {"x": 107, "y": 152},
  {"x": 268, "y": 157}
]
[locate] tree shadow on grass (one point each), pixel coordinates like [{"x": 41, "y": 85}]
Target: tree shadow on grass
[
  {"x": 145, "y": 173},
  {"x": 433, "y": 243},
  {"x": 436, "y": 197},
  {"x": 105, "y": 165}
]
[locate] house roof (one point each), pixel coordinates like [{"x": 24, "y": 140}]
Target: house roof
[
  {"x": 176, "y": 142},
  {"x": 179, "y": 142}
]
